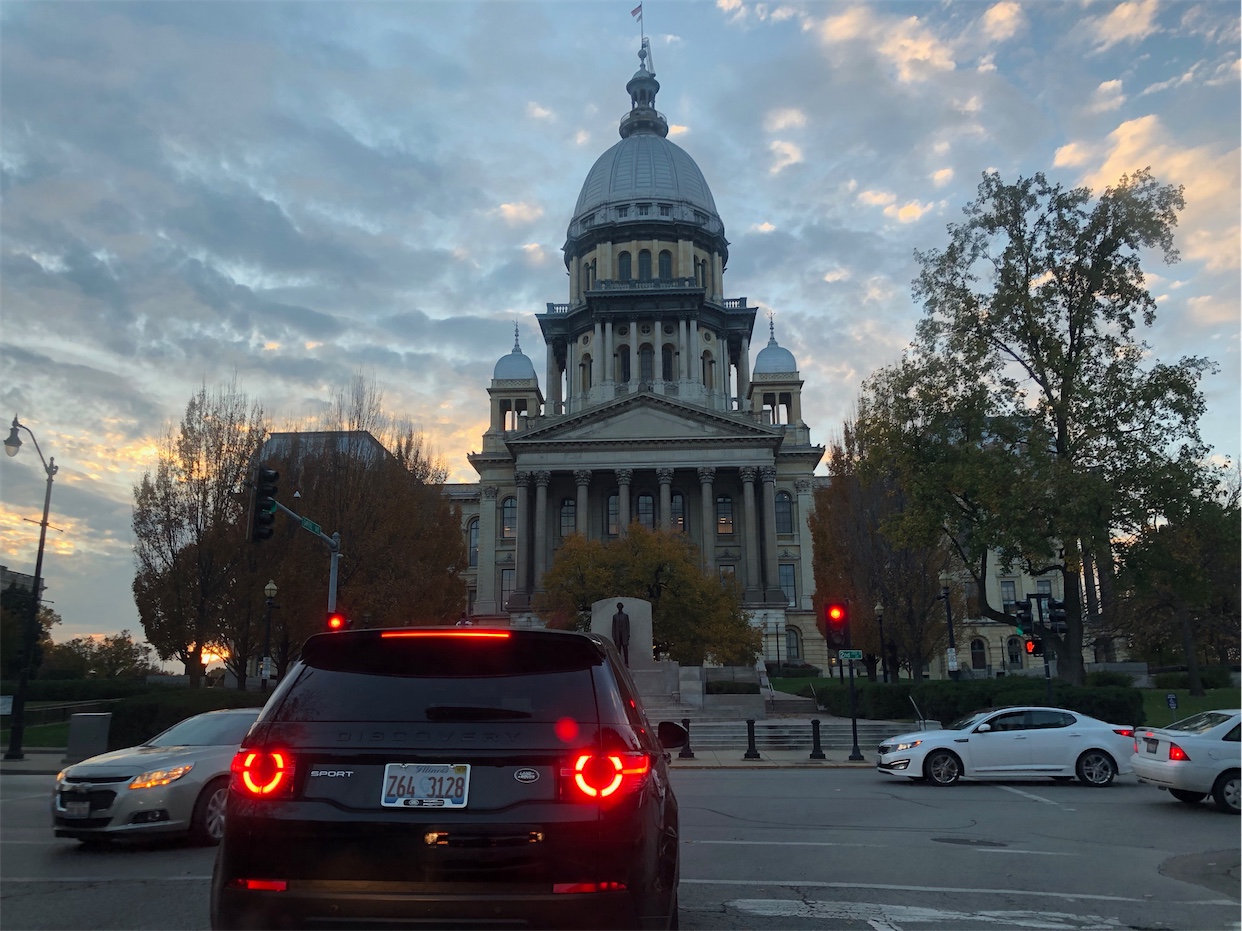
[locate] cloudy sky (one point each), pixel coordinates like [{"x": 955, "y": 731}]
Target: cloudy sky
[{"x": 293, "y": 193}]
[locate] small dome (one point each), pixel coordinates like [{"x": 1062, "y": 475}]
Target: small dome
[
  {"x": 773, "y": 358},
  {"x": 516, "y": 365}
]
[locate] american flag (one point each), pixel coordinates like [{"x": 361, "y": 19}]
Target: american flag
[{"x": 637, "y": 11}]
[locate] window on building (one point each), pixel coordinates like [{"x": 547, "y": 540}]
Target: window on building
[
  {"x": 700, "y": 217},
  {"x": 644, "y": 265},
  {"x": 784, "y": 512},
  {"x": 709, "y": 371},
  {"x": 666, "y": 264},
  {"x": 646, "y": 364},
  {"x": 646, "y": 511},
  {"x": 677, "y": 516},
  {"x": 1009, "y": 595},
  {"x": 1015, "y": 649},
  {"x": 569, "y": 516},
  {"x": 584, "y": 367},
  {"x": 978, "y": 654},
  {"x": 623, "y": 364},
  {"x": 728, "y": 572},
  {"x": 588, "y": 220},
  {"x": 473, "y": 535},
  {"x": 724, "y": 515},
  {"x": 786, "y": 573},
  {"x": 508, "y": 518},
  {"x": 614, "y": 504},
  {"x": 586, "y": 276},
  {"x": 666, "y": 363},
  {"x": 666, "y": 210},
  {"x": 793, "y": 644},
  {"x": 623, "y": 266},
  {"x": 1044, "y": 587},
  {"x": 644, "y": 209},
  {"x": 506, "y": 587},
  {"x": 623, "y": 212}
]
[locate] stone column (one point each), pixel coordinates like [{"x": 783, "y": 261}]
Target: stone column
[
  {"x": 805, "y": 506},
  {"x": 609, "y": 349},
  {"x": 485, "y": 581},
  {"x": 665, "y": 478},
  {"x": 750, "y": 540},
  {"x": 520, "y": 599},
  {"x": 696, "y": 353},
  {"x": 624, "y": 477},
  {"x": 582, "y": 517},
  {"x": 683, "y": 337},
  {"x": 543, "y": 479},
  {"x": 772, "y": 582},
  {"x": 707, "y": 475},
  {"x": 743, "y": 377},
  {"x": 553, "y": 384}
]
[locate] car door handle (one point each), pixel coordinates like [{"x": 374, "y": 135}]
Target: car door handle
[
  {"x": 1019, "y": 737},
  {"x": 961, "y": 740}
]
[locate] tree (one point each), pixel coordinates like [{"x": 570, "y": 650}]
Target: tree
[
  {"x": 115, "y": 657},
  {"x": 14, "y": 614},
  {"x": 1026, "y": 420},
  {"x": 694, "y": 614},
  {"x": 189, "y": 520}
]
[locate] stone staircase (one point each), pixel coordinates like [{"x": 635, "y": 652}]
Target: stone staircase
[{"x": 715, "y": 732}]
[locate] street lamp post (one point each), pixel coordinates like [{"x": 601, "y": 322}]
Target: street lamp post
[
  {"x": 269, "y": 593},
  {"x": 30, "y": 630},
  {"x": 879, "y": 620},
  {"x": 954, "y": 673}
]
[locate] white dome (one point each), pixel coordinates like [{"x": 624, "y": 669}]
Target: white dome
[
  {"x": 514, "y": 366},
  {"x": 774, "y": 358}
]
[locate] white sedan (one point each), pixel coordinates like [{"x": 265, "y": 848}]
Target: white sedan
[
  {"x": 1005, "y": 742},
  {"x": 1193, "y": 758}
]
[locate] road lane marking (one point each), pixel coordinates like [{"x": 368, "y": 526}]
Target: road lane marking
[
  {"x": 945, "y": 890},
  {"x": 883, "y": 917},
  {"x": 25, "y": 798},
  {"x": 1030, "y": 795},
  {"x": 823, "y": 843}
]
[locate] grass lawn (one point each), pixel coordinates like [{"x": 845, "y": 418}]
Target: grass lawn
[
  {"x": 41, "y": 735},
  {"x": 1156, "y": 707}
]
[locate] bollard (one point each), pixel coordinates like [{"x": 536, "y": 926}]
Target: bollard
[
  {"x": 751, "y": 753},
  {"x": 817, "y": 752},
  {"x": 686, "y": 752}
]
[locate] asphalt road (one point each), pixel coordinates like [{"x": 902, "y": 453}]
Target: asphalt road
[{"x": 801, "y": 847}]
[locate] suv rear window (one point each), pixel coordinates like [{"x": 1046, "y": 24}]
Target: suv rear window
[{"x": 363, "y": 676}]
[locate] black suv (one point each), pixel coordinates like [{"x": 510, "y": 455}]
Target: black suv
[{"x": 451, "y": 777}]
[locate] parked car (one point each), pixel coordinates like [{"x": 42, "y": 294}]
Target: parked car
[
  {"x": 1193, "y": 758},
  {"x": 472, "y": 776},
  {"x": 176, "y": 782},
  {"x": 1019, "y": 741}
]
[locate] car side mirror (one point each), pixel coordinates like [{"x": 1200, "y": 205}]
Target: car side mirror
[
  {"x": 983, "y": 728},
  {"x": 672, "y": 735}
]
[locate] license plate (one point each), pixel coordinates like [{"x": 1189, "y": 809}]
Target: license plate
[
  {"x": 77, "y": 809},
  {"x": 425, "y": 785},
  {"x": 1151, "y": 744}
]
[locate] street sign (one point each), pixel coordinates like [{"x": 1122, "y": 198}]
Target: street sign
[
  {"x": 6, "y": 704},
  {"x": 311, "y": 525},
  {"x": 1171, "y": 699},
  {"x": 849, "y": 654}
]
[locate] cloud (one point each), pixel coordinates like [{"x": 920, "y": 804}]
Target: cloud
[
  {"x": 1130, "y": 22},
  {"x": 778, "y": 120},
  {"x": 876, "y": 198},
  {"x": 676, "y": 129},
  {"x": 1002, "y": 21},
  {"x": 837, "y": 274},
  {"x": 1071, "y": 155},
  {"x": 942, "y": 177},
  {"x": 1209, "y": 310},
  {"x": 786, "y": 154},
  {"x": 537, "y": 112},
  {"x": 908, "y": 212},
  {"x": 1107, "y": 96},
  {"x": 763, "y": 227},
  {"x": 534, "y": 253},
  {"x": 582, "y": 137},
  {"x": 521, "y": 212},
  {"x": 908, "y": 44}
]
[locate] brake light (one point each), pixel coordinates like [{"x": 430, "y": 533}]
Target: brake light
[
  {"x": 1124, "y": 731},
  {"x": 263, "y": 773},
  {"x": 260, "y": 885},
  {"x": 468, "y": 634},
  {"x": 576, "y": 888},
  {"x": 1177, "y": 753},
  {"x": 607, "y": 775}
]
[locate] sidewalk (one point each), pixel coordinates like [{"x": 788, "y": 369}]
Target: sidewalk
[{"x": 39, "y": 761}]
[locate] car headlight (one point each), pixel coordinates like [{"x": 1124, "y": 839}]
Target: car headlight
[
  {"x": 908, "y": 745},
  {"x": 160, "y": 777}
]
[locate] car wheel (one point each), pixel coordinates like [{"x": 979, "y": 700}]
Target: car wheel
[
  {"x": 943, "y": 768},
  {"x": 207, "y": 822},
  {"x": 1190, "y": 798},
  {"x": 1096, "y": 768},
  {"x": 1225, "y": 792}
]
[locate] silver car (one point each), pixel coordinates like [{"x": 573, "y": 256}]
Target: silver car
[
  {"x": 176, "y": 782},
  {"x": 1193, "y": 758}
]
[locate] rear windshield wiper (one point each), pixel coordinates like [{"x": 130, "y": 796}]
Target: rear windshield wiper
[{"x": 472, "y": 713}]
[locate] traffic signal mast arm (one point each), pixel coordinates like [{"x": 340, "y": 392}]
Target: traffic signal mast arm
[{"x": 333, "y": 543}]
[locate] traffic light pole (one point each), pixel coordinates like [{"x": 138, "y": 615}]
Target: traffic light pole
[
  {"x": 333, "y": 543},
  {"x": 1039, "y": 606},
  {"x": 855, "y": 753}
]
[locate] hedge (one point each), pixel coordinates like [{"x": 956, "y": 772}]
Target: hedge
[
  {"x": 141, "y": 717},
  {"x": 793, "y": 670},
  {"x": 79, "y": 689},
  {"x": 1211, "y": 677},
  {"x": 728, "y": 687}
]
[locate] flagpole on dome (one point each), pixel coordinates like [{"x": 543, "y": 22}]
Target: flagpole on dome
[{"x": 638, "y": 11}]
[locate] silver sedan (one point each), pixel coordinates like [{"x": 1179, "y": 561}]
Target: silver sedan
[{"x": 177, "y": 782}]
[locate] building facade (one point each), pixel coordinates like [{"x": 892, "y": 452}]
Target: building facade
[{"x": 650, "y": 409}]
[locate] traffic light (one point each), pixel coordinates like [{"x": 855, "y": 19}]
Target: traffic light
[
  {"x": 264, "y": 517},
  {"x": 1034, "y": 647},
  {"x": 837, "y": 622},
  {"x": 1024, "y": 620},
  {"x": 1056, "y": 617},
  {"x": 338, "y": 621}
]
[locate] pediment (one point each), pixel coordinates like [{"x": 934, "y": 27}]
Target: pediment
[{"x": 644, "y": 419}]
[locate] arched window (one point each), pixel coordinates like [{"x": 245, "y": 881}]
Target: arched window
[
  {"x": 793, "y": 644},
  {"x": 508, "y": 518},
  {"x": 646, "y": 511},
  {"x": 724, "y": 515},
  {"x": 623, "y": 266},
  {"x": 644, "y": 265},
  {"x": 472, "y": 532},
  {"x": 788, "y": 583},
  {"x": 978, "y": 654},
  {"x": 584, "y": 367},
  {"x": 1014, "y": 648},
  {"x": 623, "y": 364},
  {"x": 666, "y": 362},
  {"x": 666, "y": 264},
  {"x": 709, "y": 371},
  {"x": 677, "y": 515},
  {"x": 784, "y": 512},
  {"x": 569, "y": 516},
  {"x": 614, "y": 505},
  {"x": 586, "y": 276},
  {"x": 646, "y": 364}
]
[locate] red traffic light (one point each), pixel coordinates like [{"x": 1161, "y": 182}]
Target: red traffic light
[
  {"x": 836, "y": 614},
  {"x": 837, "y": 621},
  {"x": 1030, "y": 647},
  {"x": 1035, "y": 647},
  {"x": 337, "y": 621}
]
